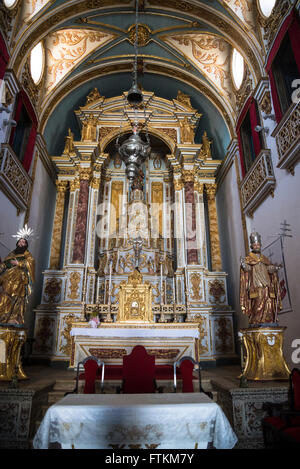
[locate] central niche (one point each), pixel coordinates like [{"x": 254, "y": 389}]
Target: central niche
[{"x": 136, "y": 226}]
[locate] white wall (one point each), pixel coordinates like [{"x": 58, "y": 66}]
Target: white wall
[
  {"x": 285, "y": 205},
  {"x": 232, "y": 242},
  {"x": 266, "y": 220},
  {"x": 10, "y": 223},
  {"x": 41, "y": 220}
]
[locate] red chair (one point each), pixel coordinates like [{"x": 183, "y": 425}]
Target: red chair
[
  {"x": 138, "y": 372},
  {"x": 281, "y": 428},
  {"x": 186, "y": 367},
  {"x": 93, "y": 369}
]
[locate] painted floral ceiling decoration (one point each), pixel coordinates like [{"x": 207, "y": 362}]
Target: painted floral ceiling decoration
[
  {"x": 32, "y": 7},
  {"x": 210, "y": 54},
  {"x": 66, "y": 48},
  {"x": 244, "y": 10}
]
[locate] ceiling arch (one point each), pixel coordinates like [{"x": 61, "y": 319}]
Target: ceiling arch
[
  {"x": 187, "y": 45},
  {"x": 63, "y": 117}
]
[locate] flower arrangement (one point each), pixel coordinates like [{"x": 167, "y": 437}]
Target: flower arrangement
[{"x": 94, "y": 321}]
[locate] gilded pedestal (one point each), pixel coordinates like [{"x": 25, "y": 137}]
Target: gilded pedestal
[
  {"x": 11, "y": 341},
  {"x": 264, "y": 356}
]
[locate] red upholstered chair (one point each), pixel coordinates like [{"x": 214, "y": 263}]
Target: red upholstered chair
[
  {"x": 93, "y": 369},
  {"x": 138, "y": 372},
  {"x": 186, "y": 367},
  {"x": 281, "y": 428}
]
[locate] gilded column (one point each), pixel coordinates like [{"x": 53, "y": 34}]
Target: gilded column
[
  {"x": 61, "y": 187},
  {"x": 190, "y": 216},
  {"x": 200, "y": 220},
  {"x": 213, "y": 228},
  {"x": 72, "y": 210},
  {"x": 93, "y": 203},
  {"x": 178, "y": 222},
  {"x": 81, "y": 220}
]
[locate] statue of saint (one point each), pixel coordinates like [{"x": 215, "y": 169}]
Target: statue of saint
[
  {"x": 205, "y": 149},
  {"x": 259, "y": 285},
  {"x": 16, "y": 281},
  {"x": 187, "y": 131},
  {"x": 89, "y": 130},
  {"x": 93, "y": 96},
  {"x": 69, "y": 143},
  {"x": 184, "y": 98}
]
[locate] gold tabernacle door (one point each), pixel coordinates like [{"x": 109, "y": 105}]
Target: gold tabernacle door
[{"x": 135, "y": 300}]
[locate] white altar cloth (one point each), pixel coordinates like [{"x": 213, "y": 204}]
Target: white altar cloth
[
  {"x": 168, "y": 420},
  {"x": 134, "y": 332}
]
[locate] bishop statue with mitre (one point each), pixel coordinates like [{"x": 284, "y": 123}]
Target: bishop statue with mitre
[
  {"x": 260, "y": 296},
  {"x": 16, "y": 280}
]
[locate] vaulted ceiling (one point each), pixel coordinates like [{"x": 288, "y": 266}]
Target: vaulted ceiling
[{"x": 183, "y": 45}]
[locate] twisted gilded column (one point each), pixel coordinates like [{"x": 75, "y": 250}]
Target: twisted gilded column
[
  {"x": 213, "y": 227},
  {"x": 190, "y": 211},
  {"x": 61, "y": 187},
  {"x": 81, "y": 219}
]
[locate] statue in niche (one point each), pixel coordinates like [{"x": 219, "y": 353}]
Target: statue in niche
[
  {"x": 69, "y": 143},
  {"x": 102, "y": 264},
  {"x": 117, "y": 161},
  {"x": 150, "y": 265},
  {"x": 138, "y": 183},
  {"x": 260, "y": 296},
  {"x": 184, "y": 98},
  {"x": 89, "y": 130},
  {"x": 121, "y": 265},
  {"x": 205, "y": 149},
  {"x": 187, "y": 131},
  {"x": 169, "y": 265}
]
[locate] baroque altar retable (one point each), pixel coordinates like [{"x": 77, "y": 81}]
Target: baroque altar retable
[{"x": 166, "y": 225}]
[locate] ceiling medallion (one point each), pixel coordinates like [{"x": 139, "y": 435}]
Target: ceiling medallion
[{"x": 144, "y": 34}]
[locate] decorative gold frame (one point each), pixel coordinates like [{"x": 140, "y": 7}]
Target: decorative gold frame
[{"x": 135, "y": 300}]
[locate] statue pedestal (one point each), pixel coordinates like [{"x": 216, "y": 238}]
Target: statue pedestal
[
  {"x": 264, "y": 356},
  {"x": 11, "y": 341}
]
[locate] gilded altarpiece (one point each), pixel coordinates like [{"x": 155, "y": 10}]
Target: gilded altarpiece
[{"x": 105, "y": 229}]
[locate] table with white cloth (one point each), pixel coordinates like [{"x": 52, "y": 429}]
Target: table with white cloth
[{"x": 124, "y": 421}]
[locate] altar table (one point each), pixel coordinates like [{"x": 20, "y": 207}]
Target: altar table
[
  {"x": 167, "y": 342},
  {"x": 124, "y": 421}
]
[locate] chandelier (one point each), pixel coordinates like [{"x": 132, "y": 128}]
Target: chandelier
[{"x": 134, "y": 151}]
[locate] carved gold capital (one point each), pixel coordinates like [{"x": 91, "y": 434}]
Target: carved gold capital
[
  {"x": 199, "y": 187},
  {"x": 211, "y": 190},
  {"x": 85, "y": 174},
  {"x": 188, "y": 175},
  {"x": 95, "y": 182},
  {"x": 61, "y": 186},
  {"x": 266, "y": 104},
  {"x": 178, "y": 184},
  {"x": 74, "y": 184}
]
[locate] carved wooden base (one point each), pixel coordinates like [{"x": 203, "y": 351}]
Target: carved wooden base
[
  {"x": 11, "y": 341},
  {"x": 264, "y": 356}
]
